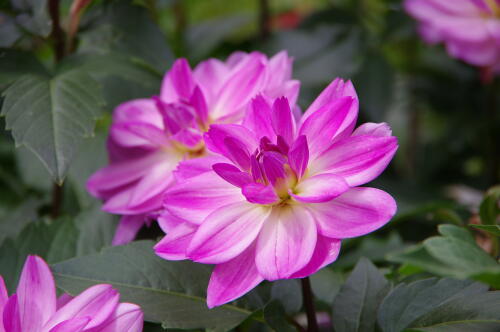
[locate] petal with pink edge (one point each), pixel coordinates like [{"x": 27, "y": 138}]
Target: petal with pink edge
[
  {"x": 72, "y": 325},
  {"x": 227, "y": 232},
  {"x": 258, "y": 117},
  {"x": 373, "y": 129},
  {"x": 98, "y": 302},
  {"x": 128, "y": 228},
  {"x": 357, "y": 212},
  {"x": 11, "y": 316},
  {"x": 36, "y": 294},
  {"x": 319, "y": 188},
  {"x": 286, "y": 242},
  {"x": 139, "y": 111},
  {"x": 298, "y": 156},
  {"x": 358, "y": 159},
  {"x": 217, "y": 134},
  {"x": 279, "y": 70},
  {"x": 178, "y": 83},
  {"x": 194, "y": 199},
  {"x": 282, "y": 120},
  {"x": 4, "y": 295},
  {"x": 210, "y": 75},
  {"x": 193, "y": 167},
  {"x": 173, "y": 246},
  {"x": 127, "y": 317},
  {"x": 259, "y": 193},
  {"x": 232, "y": 174},
  {"x": 327, "y": 250},
  {"x": 233, "y": 279},
  {"x": 137, "y": 134}
]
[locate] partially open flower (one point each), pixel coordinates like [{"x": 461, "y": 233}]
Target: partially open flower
[
  {"x": 149, "y": 137},
  {"x": 34, "y": 307},
  {"x": 286, "y": 194}
]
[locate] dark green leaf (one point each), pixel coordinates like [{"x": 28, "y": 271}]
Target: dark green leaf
[
  {"x": 492, "y": 229},
  {"x": 9, "y": 32},
  {"x": 275, "y": 317},
  {"x": 169, "y": 292},
  {"x": 14, "y": 64},
  {"x": 51, "y": 116},
  {"x": 355, "y": 306},
  {"x": 36, "y": 17},
  {"x": 13, "y": 223},
  {"x": 288, "y": 293},
  {"x": 326, "y": 284},
  {"x": 489, "y": 210}
]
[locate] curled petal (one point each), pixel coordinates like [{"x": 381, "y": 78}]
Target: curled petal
[
  {"x": 217, "y": 134},
  {"x": 282, "y": 120},
  {"x": 128, "y": 228},
  {"x": 259, "y": 193},
  {"x": 320, "y": 188},
  {"x": 298, "y": 156},
  {"x": 258, "y": 117},
  {"x": 357, "y": 212},
  {"x": 373, "y": 129},
  {"x": 173, "y": 246},
  {"x": 232, "y": 174},
  {"x": 71, "y": 325},
  {"x": 327, "y": 250},
  {"x": 178, "y": 83},
  {"x": 127, "y": 317},
  {"x": 237, "y": 152}
]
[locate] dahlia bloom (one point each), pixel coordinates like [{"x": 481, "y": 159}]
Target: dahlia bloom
[
  {"x": 470, "y": 29},
  {"x": 149, "y": 137},
  {"x": 34, "y": 307},
  {"x": 282, "y": 195}
]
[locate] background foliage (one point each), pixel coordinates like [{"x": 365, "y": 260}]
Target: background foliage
[{"x": 433, "y": 268}]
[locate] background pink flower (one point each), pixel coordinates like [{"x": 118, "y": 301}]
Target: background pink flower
[
  {"x": 286, "y": 194},
  {"x": 149, "y": 137},
  {"x": 470, "y": 29},
  {"x": 34, "y": 307}
]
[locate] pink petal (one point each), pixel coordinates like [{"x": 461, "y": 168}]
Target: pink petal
[
  {"x": 358, "y": 159},
  {"x": 71, "y": 325},
  {"x": 137, "y": 134},
  {"x": 327, "y": 250},
  {"x": 62, "y": 300},
  {"x": 194, "y": 199},
  {"x": 36, "y": 294},
  {"x": 259, "y": 193},
  {"x": 336, "y": 90},
  {"x": 128, "y": 228},
  {"x": 282, "y": 120},
  {"x": 196, "y": 166},
  {"x": 286, "y": 242},
  {"x": 12, "y": 316},
  {"x": 333, "y": 121},
  {"x": 279, "y": 70},
  {"x": 227, "y": 232},
  {"x": 178, "y": 83},
  {"x": 357, "y": 212},
  {"x": 320, "y": 188},
  {"x": 200, "y": 105},
  {"x": 4, "y": 295},
  {"x": 246, "y": 81},
  {"x": 127, "y": 317},
  {"x": 232, "y": 279},
  {"x": 298, "y": 156},
  {"x": 97, "y": 302},
  {"x": 237, "y": 152},
  {"x": 232, "y": 174},
  {"x": 210, "y": 75},
  {"x": 373, "y": 129},
  {"x": 258, "y": 118},
  {"x": 139, "y": 111},
  {"x": 173, "y": 246},
  {"x": 273, "y": 165},
  {"x": 189, "y": 137},
  {"x": 175, "y": 116},
  {"x": 216, "y": 135},
  {"x": 167, "y": 221}
]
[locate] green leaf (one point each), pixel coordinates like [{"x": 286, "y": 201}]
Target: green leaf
[
  {"x": 326, "y": 284},
  {"x": 289, "y": 293},
  {"x": 405, "y": 304},
  {"x": 275, "y": 317},
  {"x": 355, "y": 307},
  {"x": 492, "y": 229},
  {"x": 9, "y": 32},
  {"x": 169, "y": 292},
  {"x": 51, "y": 116},
  {"x": 35, "y": 17},
  {"x": 489, "y": 210},
  {"x": 13, "y": 223},
  {"x": 96, "y": 229},
  {"x": 14, "y": 64}
]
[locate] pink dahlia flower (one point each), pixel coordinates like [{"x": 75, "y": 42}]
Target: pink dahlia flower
[
  {"x": 149, "y": 137},
  {"x": 470, "y": 29},
  {"x": 285, "y": 195},
  {"x": 34, "y": 307}
]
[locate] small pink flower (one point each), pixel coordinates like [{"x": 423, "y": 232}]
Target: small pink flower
[
  {"x": 149, "y": 137},
  {"x": 286, "y": 194},
  {"x": 34, "y": 307},
  {"x": 470, "y": 29}
]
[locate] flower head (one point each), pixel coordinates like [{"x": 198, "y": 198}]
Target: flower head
[
  {"x": 285, "y": 195},
  {"x": 469, "y": 28},
  {"x": 149, "y": 137},
  {"x": 34, "y": 306}
]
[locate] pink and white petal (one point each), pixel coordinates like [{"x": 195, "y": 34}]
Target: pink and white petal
[
  {"x": 286, "y": 242},
  {"x": 259, "y": 193},
  {"x": 194, "y": 199},
  {"x": 373, "y": 129},
  {"x": 140, "y": 111},
  {"x": 243, "y": 84},
  {"x": 128, "y": 228},
  {"x": 357, "y": 212},
  {"x": 119, "y": 203},
  {"x": 335, "y": 90},
  {"x": 97, "y": 302},
  {"x": 282, "y": 120},
  {"x": 128, "y": 317},
  {"x": 233, "y": 279},
  {"x": 189, "y": 137},
  {"x": 279, "y": 70},
  {"x": 319, "y": 188},
  {"x": 36, "y": 294},
  {"x": 358, "y": 159},
  {"x": 4, "y": 295},
  {"x": 332, "y": 122},
  {"x": 298, "y": 156},
  {"x": 134, "y": 134},
  {"x": 193, "y": 167},
  {"x": 63, "y": 299},
  {"x": 210, "y": 75},
  {"x": 11, "y": 316},
  {"x": 227, "y": 232},
  {"x": 178, "y": 82},
  {"x": 72, "y": 325},
  {"x": 167, "y": 221},
  {"x": 235, "y": 58},
  {"x": 232, "y": 174},
  {"x": 327, "y": 250},
  {"x": 217, "y": 134},
  {"x": 258, "y": 117},
  {"x": 174, "y": 245}
]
